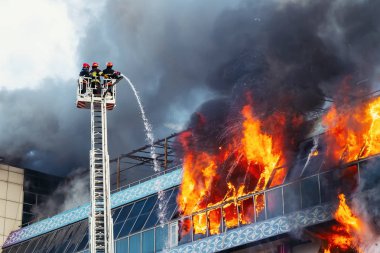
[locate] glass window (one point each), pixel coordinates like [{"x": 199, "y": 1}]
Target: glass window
[
  {"x": 184, "y": 230},
  {"x": 161, "y": 237},
  {"x": 152, "y": 220},
  {"x": 169, "y": 211},
  {"x": 139, "y": 223},
  {"x": 122, "y": 245},
  {"x": 329, "y": 186},
  {"x": 278, "y": 177},
  {"x": 310, "y": 192},
  {"x": 14, "y": 248},
  {"x": 274, "y": 205},
  {"x": 23, "y": 247},
  {"x": 259, "y": 207},
  {"x": 77, "y": 235},
  {"x": 27, "y": 208},
  {"x": 82, "y": 245},
  {"x": 349, "y": 179},
  {"x": 150, "y": 202},
  {"x": 116, "y": 229},
  {"x": 137, "y": 208},
  {"x": 369, "y": 176},
  {"x": 173, "y": 234},
  {"x": 292, "y": 198},
  {"x": 135, "y": 243},
  {"x": 199, "y": 225},
  {"x": 30, "y": 198},
  {"x": 126, "y": 229},
  {"x": 115, "y": 213},
  {"x": 32, "y": 244},
  {"x": 246, "y": 211},
  {"x": 230, "y": 215},
  {"x": 148, "y": 241},
  {"x": 124, "y": 213},
  {"x": 215, "y": 221}
]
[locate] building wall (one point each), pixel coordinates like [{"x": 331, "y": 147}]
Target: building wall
[{"x": 11, "y": 199}]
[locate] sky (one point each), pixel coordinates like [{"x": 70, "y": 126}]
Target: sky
[
  {"x": 43, "y": 46},
  {"x": 183, "y": 56}
]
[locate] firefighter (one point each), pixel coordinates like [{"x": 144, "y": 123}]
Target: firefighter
[
  {"x": 110, "y": 73},
  {"x": 95, "y": 74},
  {"x": 85, "y": 72}
]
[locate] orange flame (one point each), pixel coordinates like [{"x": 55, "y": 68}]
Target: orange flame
[
  {"x": 353, "y": 131},
  {"x": 346, "y": 235},
  {"x": 255, "y": 154}
]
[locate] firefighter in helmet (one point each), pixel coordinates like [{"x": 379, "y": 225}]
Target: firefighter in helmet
[
  {"x": 85, "y": 72},
  {"x": 110, "y": 73},
  {"x": 95, "y": 74}
]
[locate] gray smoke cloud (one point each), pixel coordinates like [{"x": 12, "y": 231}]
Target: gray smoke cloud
[
  {"x": 71, "y": 193},
  {"x": 181, "y": 54}
]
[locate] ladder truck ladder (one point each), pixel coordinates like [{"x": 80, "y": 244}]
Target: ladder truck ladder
[{"x": 101, "y": 224}]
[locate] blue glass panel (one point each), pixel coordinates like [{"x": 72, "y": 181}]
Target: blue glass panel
[
  {"x": 115, "y": 213},
  {"x": 83, "y": 243},
  {"x": 135, "y": 243},
  {"x": 127, "y": 227},
  {"x": 116, "y": 229},
  {"x": 137, "y": 208},
  {"x": 148, "y": 241},
  {"x": 274, "y": 203},
  {"x": 174, "y": 194},
  {"x": 310, "y": 192},
  {"x": 152, "y": 220},
  {"x": 150, "y": 202},
  {"x": 124, "y": 213},
  {"x": 292, "y": 198},
  {"x": 139, "y": 223},
  {"x": 23, "y": 247},
  {"x": 122, "y": 246},
  {"x": 169, "y": 211},
  {"x": 161, "y": 237},
  {"x": 32, "y": 245}
]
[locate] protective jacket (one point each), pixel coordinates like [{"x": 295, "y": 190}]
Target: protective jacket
[
  {"x": 95, "y": 73},
  {"x": 110, "y": 73},
  {"x": 84, "y": 72}
]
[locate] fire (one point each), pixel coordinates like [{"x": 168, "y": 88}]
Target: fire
[
  {"x": 253, "y": 159},
  {"x": 252, "y": 156},
  {"x": 353, "y": 131},
  {"x": 346, "y": 235}
]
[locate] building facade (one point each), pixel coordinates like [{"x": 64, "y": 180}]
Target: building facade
[
  {"x": 20, "y": 190},
  {"x": 143, "y": 223},
  {"x": 11, "y": 199}
]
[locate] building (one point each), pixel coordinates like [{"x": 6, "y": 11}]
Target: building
[
  {"x": 20, "y": 189},
  {"x": 303, "y": 200}
]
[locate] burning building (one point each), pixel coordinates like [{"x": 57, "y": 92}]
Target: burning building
[
  {"x": 283, "y": 159},
  {"x": 247, "y": 193}
]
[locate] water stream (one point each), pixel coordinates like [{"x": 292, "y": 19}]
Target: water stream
[{"x": 150, "y": 138}]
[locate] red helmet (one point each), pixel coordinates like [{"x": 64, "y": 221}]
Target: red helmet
[
  {"x": 109, "y": 64},
  {"x": 86, "y": 65},
  {"x": 95, "y": 65}
]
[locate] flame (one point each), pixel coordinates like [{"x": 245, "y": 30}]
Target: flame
[
  {"x": 346, "y": 235},
  {"x": 353, "y": 131},
  {"x": 252, "y": 156}
]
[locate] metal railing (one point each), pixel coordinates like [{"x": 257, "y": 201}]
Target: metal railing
[{"x": 310, "y": 191}]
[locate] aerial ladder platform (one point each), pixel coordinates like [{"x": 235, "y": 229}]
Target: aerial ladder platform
[{"x": 99, "y": 96}]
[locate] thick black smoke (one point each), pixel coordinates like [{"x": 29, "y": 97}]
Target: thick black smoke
[
  {"x": 288, "y": 54},
  {"x": 288, "y": 58}
]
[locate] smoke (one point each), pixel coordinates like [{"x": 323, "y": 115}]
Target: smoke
[
  {"x": 181, "y": 54},
  {"x": 289, "y": 57},
  {"x": 73, "y": 192}
]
